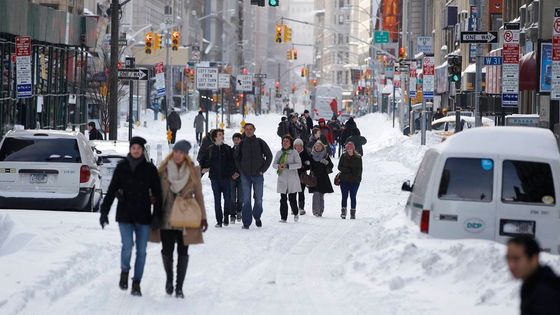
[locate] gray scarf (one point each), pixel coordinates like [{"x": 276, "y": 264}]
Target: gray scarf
[
  {"x": 318, "y": 156},
  {"x": 133, "y": 162}
]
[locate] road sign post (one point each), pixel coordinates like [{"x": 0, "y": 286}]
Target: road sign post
[
  {"x": 479, "y": 37},
  {"x": 133, "y": 74},
  {"x": 24, "y": 81},
  {"x": 555, "y": 83},
  {"x": 510, "y": 66}
]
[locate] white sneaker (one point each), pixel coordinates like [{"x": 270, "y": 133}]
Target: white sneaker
[
  {"x": 296, "y": 218},
  {"x": 282, "y": 221}
]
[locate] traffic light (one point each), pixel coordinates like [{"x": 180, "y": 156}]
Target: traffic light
[
  {"x": 157, "y": 41},
  {"x": 273, "y": 3},
  {"x": 402, "y": 53},
  {"x": 294, "y": 54},
  {"x": 277, "y": 86},
  {"x": 148, "y": 43},
  {"x": 302, "y": 72},
  {"x": 454, "y": 67},
  {"x": 278, "y": 37},
  {"x": 287, "y": 33},
  {"x": 289, "y": 54},
  {"x": 175, "y": 40}
]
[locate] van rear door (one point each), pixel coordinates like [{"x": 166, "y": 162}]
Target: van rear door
[
  {"x": 528, "y": 202},
  {"x": 463, "y": 199}
]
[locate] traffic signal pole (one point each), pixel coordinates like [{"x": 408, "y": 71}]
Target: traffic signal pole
[
  {"x": 478, "y": 83},
  {"x": 113, "y": 71}
]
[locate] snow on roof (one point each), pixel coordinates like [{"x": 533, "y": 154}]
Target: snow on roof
[
  {"x": 518, "y": 141},
  {"x": 472, "y": 69},
  {"x": 33, "y": 132}
]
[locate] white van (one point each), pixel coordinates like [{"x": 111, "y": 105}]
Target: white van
[{"x": 490, "y": 183}]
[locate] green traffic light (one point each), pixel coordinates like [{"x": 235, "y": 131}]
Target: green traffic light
[{"x": 273, "y": 3}]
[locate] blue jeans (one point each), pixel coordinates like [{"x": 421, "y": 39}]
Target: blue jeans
[
  {"x": 221, "y": 187},
  {"x": 248, "y": 183},
  {"x": 352, "y": 188},
  {"x": 142, "y": 232}
]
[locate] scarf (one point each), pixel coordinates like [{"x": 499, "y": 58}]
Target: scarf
[
  {"x": 133, "y": 162},
  {"x": 283, "y": 159},
  {"x": 318, "y": 156},
  {"x": 177, "y": 177}
]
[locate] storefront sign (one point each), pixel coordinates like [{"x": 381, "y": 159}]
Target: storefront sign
[{"x": 510, "y": 65}]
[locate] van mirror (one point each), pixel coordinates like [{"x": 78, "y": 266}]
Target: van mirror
[{"x": 406, "y": 186}]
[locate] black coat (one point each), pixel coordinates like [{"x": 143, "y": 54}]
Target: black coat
[
  {"x": 321, "y": 172},
  {"x": 219, "y": 160},
  {"x": 304, "y": 156},
  {"x": 252, "y": 156},
  {"x": 540, "y": 294},
  {"x": 206, "y": 143},
  {"x": 95, "y": 134},
  {"x": 174, "y": 120},
  {"x": 134, "y": 187},
  {"x": 350, "y": 168},
  {"x": 309, "y": 122}
]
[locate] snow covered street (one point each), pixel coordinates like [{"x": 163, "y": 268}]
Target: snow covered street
[{"x": 64, "y": 263}]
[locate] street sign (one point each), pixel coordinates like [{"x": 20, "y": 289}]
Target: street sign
[
  {"x": 260, "y": 75},
  {"x": 510, "y": 65},
  {"x": 381, "y": 37},
  {"x": 555, "y": 83},
  {"x": 479, "y": 37},
  {"x": 428, "y": 73},
  {"x": 244, "y": 82},
  {"x": 23, "y": 67},
  {"x": 424, "y": 44},
  {"x": 160, "y": 79},
  {"x": 412, "y": 79},
  {"x": 133, "y": 74},
  {"x": 224, "y": 81},
  {"x": 492, "y": 60},
  {"x": 206, "y": 78}
]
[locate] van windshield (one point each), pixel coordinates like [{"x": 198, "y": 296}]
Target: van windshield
[
  {"x": 529, "y": 182},
  {"x": 467, "y": 179},
  {"x": 40, "y": 150}
]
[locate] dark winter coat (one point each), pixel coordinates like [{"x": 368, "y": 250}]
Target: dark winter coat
[
  {"x": 305, "y": 162},
  {"x": 336, "y": 129},
  {"x": 174, "y": 121},
  {"x": 309, "y": 122},
  {"x": 540, "y": 294},
  {"x": 253, "y": 156},
  {"x": 321, "y": 172},
  {"x": 283, "y": 128},
  {"x": 206, "y": 142},
  {"x": 295, "y": 129},
  {"x": 235, "y": 169},
  {"x": 199, "y": 122},
  {"x": 94, "y": 134},
  {"x": 219, "y": 160},
  {"x": 326, "y": 131},
  {"x": 359, "y": 142},
  {"x": 134, "y": 187},
  {"x": 350, "y": 168}
]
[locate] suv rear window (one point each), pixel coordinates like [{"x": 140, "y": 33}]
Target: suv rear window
[
  {"x": 40, "y": 150},
  {"x": 467, "y": 179},
  {"x": 529, "y": 182}
]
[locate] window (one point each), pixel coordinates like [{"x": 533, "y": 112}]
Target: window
[
  {"x": 467, "y": 179},
  {"x": 40, "y": 150},
  {"x": 341, "y": 19},
  {"x": 529, "y": 182}
]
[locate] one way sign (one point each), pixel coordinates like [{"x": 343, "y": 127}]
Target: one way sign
[
  {"x": 133, "y": 74},
  {"x": 479, "y": 37}
]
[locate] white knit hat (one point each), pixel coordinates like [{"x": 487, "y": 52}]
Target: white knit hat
[{"x": 298, "y": 141}]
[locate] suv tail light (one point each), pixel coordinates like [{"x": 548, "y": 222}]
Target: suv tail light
[
  {"x": 425, "y": 222},
  {"x": 85, "y": 174}
]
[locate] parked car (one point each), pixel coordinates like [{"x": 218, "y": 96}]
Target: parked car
[
  {"x": 490, "y": 183},
  {"x": 445, "y": 127},
  {"x": 48, "y": 170}
]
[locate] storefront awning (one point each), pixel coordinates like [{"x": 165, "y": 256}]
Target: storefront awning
[{"x": 528, "y": 72}]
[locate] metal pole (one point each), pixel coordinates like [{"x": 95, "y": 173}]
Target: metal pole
[
  {"x": 222, "y": 100},
  {"x": 130, "y": 108},
  {"x": 168, "y": 96},
  {"x": 478, "y": 83},
  {"x": 423, "y": 115},
  {"x": 394, "y": 103},
  {"x": 113, "y": 80}
]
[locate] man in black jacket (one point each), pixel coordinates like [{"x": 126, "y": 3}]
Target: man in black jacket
[
  {"x": 218, "y": 161},
  {"x": 236, "y": 191},
  {"x": 94, "y": 134},
  {"x": 137, "y": 183},
  {"x": 540, "y": 292},
  {"x": 174, "y": 123},
  {"x": 308, "y": 120},
  {"x": 252, "y": 158}
]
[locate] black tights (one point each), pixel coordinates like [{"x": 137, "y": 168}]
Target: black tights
[{"x": 168, "y": 240}]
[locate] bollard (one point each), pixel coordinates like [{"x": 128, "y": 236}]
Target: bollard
[{"x": 159, "y": 153}]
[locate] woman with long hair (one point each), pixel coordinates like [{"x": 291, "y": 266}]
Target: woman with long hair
[
  {"x": 321, "y": 167},
  {"x": 179, "y": 177},
  {"x": 287, "y": 162},
  {"x": 350, "y": 167}
]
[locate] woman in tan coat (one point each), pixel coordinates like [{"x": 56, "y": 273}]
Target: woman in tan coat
[{"x": 179, "y": 176}]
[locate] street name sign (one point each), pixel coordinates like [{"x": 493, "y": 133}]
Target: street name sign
[
  {"x": 479, "y": 37},
  {"x": 133, "y": 74},
  {"x": 260, "y": 75},
  {"x": 492, "y": 60}
]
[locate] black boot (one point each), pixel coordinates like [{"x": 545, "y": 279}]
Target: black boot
[
  {"x": 352, "y": 214},
  {"x": 123, "y": 283},
  {"x": 182, "y": 263},
  {"x": 168, "y": 266},
  {"x": 136, "y": 288},
  {"x": 343, "y": 213}
]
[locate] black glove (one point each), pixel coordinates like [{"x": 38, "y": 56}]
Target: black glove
[
  {"x": 156, "y": 222},
  {"x": 103, "y": 220},
  {"x": 204, "y": 225}
]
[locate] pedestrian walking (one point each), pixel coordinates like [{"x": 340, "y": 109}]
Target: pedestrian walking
[
  {"x": 358, "y": 140},
  {"x": 294, "y": 126},
  {"x": 252, "y": 158},
  {"x": 236, "y": 190},
  {"x": 350, "y": 167},
  {"x": 174, "y": 123},
  {"x": 308, "y": 120},
  {"x": 305, "y": 166},
  {"x": 283, "y": 127},
  {"x": 137, "y": 183},
  {"x": 336, "y": 129},
  {"x": 206, "y": 143},
  {"x": 94, "y": 133},
  {"x": 327, "y": 132},
  {"x": 316, "y": 136},
  {"x": 287, "y": 163},
  {"x": 540, "y": 292},
  {"x": 198, "y": 125},
  {"x": 321, "y": 167},
  {"x": 305, "y": 132},
  {"x": 218, "y": 162},
  {"x": 179, "y": 177}
]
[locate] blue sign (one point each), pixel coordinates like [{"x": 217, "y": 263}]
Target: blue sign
[
  {"x": 161, "y": 92},
  {"x": 428, "y": 95},
  {"x": 546, "y": 67},
  {"x": 24, "y": 90},
  {"x": 510, "y": 100},
  {"x": 492, "y": 60}
]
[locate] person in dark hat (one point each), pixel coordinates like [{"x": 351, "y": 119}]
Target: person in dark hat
[
  {"x": 138, "y": 186},
  {"x": 94, "y": 134},
  {"x": 308, "y": 120}
]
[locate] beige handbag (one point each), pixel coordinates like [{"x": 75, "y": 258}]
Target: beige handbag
[{"x": 185, "y": 213}]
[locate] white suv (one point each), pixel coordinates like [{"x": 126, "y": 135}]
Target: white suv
[{"x": 48, "y": 170}]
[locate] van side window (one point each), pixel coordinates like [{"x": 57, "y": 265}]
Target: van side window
[
  {"x": 529, "y": 182},
  {"x": 467, "y": 179}
]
